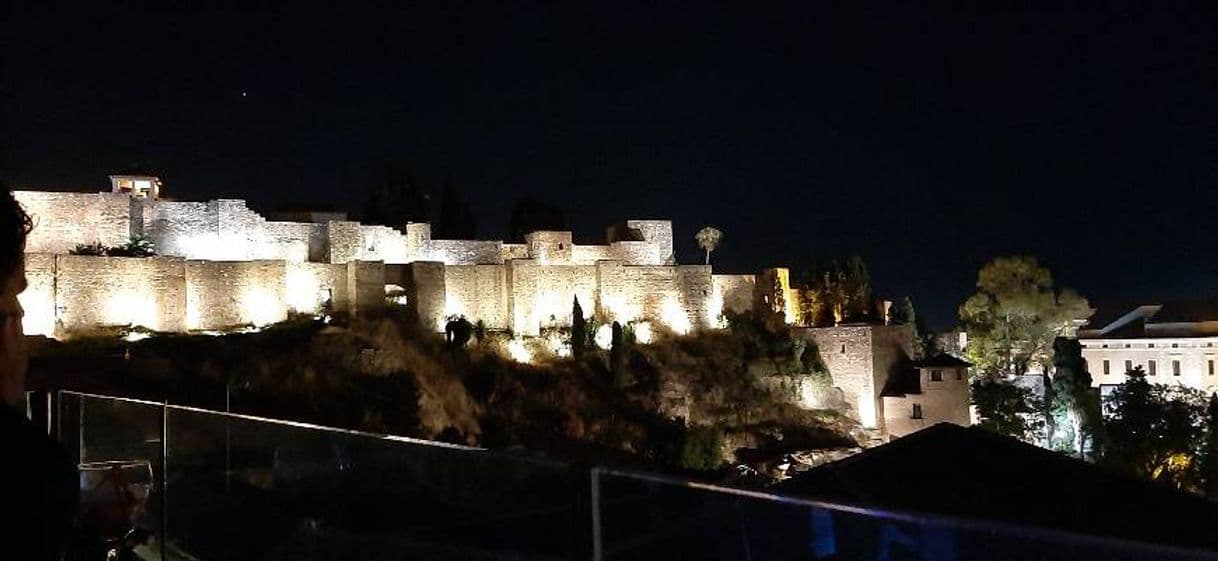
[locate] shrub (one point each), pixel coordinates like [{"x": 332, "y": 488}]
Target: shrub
[
  {"x": 702, "y": 449},
  {"x": 95, "y": 248}
]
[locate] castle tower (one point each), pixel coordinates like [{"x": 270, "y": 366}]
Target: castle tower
[{"x": 138, "y": 185}]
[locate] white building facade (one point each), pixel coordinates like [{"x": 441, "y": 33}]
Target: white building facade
[{"x": 1174, "y": 343}]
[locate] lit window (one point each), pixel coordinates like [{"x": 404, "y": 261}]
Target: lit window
[
  {"x": 1106, "y": 372},
  {"x": 1175, "y": 368},
  {"x": 1150, "y": 367},
  {"x": 936, "y": 375},
  {"x": 917, "y": 411}
]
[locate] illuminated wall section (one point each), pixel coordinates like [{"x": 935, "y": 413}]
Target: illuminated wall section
[
  {"x": 309, "y": 286},
  {"x": 222, "y": 294},
  {"x": 735, "y": 293},
  {"x": 478, "y": 292},
  {"x": 542, "y": 296},
  {"x": 38, "y": 300},
  {"x": 101, "y": 291},
  {"x": 64, "y": 220}
]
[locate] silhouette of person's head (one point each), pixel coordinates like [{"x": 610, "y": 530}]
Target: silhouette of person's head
[{"x": 14, "y": 225}]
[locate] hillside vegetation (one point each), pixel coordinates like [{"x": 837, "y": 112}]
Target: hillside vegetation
[{"x": 690, "y": 402}]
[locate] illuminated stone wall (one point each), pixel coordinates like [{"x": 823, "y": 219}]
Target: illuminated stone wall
[
  {"x": 550, "y": 248},
  {"x": 296, "y": 242},
  {"x": 344, "y": 241},
  {"x": 464, "y": 252},
  {"x": 365, "y": 286},
  {"x": 235, "y": 267},
  {"x": 382, "y": 243},
  {"x": 514, "y": 251},
  {"x": 64, "y": 220},
  {"x": 425, "y": 291},
  {"x": 308, "y": 286},
  {"x": 860, "y": 358},
  {"x": 542, "y": 296},
  {"x": 478, "y": 292},
  {"x": 98, "y": 291},
  {"x": 590, "y": 254},
  {"x": 228, "y": 230},
  {"x": 38, "y": 300},
  {"x": 679, "y": 297},
  {"x": 735, "y": 293},
  {"x": 222, "y": 294},
  {"x": 657, "y": 235}
]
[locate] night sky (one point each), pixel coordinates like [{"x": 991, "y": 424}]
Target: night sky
[{"x": 927, "y": 141}]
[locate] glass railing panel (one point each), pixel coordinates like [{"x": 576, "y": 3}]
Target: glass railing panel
[
  {"x": 643, "y": 517},
  {"x": 247, "y": 488},
  {"x": 116, "y": 445}
]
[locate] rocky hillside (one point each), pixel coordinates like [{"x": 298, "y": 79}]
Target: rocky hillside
[{"x": 694, "y": 402}]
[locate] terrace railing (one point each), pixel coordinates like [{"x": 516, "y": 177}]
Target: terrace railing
[{"x": 211, "y": 485}]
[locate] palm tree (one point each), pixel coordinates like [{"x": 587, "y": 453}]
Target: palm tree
[{"x": 708, "y": 239}]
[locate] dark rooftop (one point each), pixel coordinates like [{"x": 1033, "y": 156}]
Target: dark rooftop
[
  {"x": 972, "y": 473},
  {"x": 1130, "y": 320},
  {"x": 942, "y": 360}
]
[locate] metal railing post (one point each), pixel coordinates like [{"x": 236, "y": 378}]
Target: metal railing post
[
  {"x": 80, "y": 431},
  {"x": 597, "y": 551},
  {"x": 228, "y": 438},
  {"x": 59, "y": 417},
  {"x": 164, "y": 477}
]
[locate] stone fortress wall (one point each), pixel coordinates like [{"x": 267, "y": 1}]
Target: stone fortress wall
[{"x": 221, "y": 264}]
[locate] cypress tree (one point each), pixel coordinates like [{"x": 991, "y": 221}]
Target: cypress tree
[
  {"x": 617, "y": 358},
  {"x": 579, "y": 330}
]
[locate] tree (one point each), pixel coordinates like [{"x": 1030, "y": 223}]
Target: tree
[
  {"x": 816, "y": 303},
  {"x": 902, "y": 313},
  {"x": 617, "y": 358},
  {"x": 1007, "y": 408},
  {"x": 531, "y": 215},
  {"x": 1155, "y": 431},
  {"x": 579, "y": 330},
  {"x": 1209, "y": 459},
  {"x": 708, "y": 239},
  {"x": 456, "y": 221},
  {"x": 835, "y": 294},
  {"x": 139, "y": 245},
  {"x": 1072, "y": 412},
  {"x": 396, "y": 200},
  {"x": 1015, "y": 315},
  {"x": 856, "y": 288}
]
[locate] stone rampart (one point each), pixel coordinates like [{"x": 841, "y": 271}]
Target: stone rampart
[
  {"x": 222, "y": 294},
  {"x": 64, "y": 220},
  {"x": 735, "y": 293},
  {"x": 95, "y": 291},
  {"x": 478, "y": 292}
]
